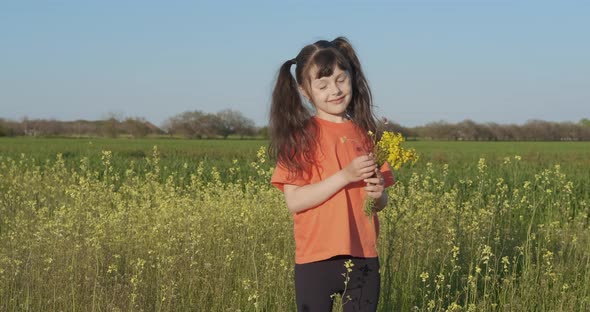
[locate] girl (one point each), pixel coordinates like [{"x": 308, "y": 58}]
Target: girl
[{"x": 325, "y": 170}]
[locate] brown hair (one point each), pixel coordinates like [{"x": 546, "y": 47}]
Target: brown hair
[{"x": 293, "y": 133}]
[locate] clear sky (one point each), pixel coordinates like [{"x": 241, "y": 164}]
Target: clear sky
[{"x": 489, "y": 61}]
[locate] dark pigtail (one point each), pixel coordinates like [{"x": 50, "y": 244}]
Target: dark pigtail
[{"x": 292, "y": 136}]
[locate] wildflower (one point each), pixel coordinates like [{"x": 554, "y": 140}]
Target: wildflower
[
  {"x": 455, "y": 252},
  {"x": 431, "y": 304},
  {"x": 505, "y": 263},
  {"x": 481, "y": 165},
  {"x": 424, "y": 276},
  {"x": 388, "y": 149}
]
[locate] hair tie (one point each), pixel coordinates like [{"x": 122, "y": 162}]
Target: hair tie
[{"x": 294, "y": 61}]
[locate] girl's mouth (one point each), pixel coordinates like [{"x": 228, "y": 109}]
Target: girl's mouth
[{"x": 337, "y": 101}]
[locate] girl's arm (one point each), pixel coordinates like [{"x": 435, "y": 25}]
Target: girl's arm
[{"x": 300, "y": 198}]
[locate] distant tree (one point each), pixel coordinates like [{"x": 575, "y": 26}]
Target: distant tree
[
  {"x": 110, "y": 127},
  {"x": 195, "y": 124},
  {"x": 466, "y": 130},
  {"x": 263, "y": 132},
  {"x": 84, "y": 127},
  {"x": 485, "y": 133},
  {"x": 174, "y": 126},
  {"x": 136, "y": 127},
  {"x": 3, "y": 130},
  {"x": 234, "y": 122},
  {"x": 498, "y": 132},
  {"x": 77, "y": 128},
  {"x": 514, "y": 132},
  {"x": 576, "y": 131},
  {"x": 181, "y": 124},
  {"x": 51, "y": 127},
  {"x": 208, "y": 125},
  {"x": 534, "y": 130},
  {"x": 10, "y": 128},
  {"x": 28, "y": 129},
  {"x": 440, "y": 130}
]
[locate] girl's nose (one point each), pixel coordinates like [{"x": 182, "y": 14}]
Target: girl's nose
[{"x": 337, "y": 90}]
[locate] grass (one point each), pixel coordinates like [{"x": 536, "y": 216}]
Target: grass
[{"x": 471, "y": 227}]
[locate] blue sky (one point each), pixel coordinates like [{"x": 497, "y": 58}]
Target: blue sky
[{"x": 489, "y": 61}]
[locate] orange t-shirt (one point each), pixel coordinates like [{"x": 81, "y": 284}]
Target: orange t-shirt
[{"x": 339, "y": 225}]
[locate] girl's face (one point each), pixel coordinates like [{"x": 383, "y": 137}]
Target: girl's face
[{"x": 330, "y": 95}]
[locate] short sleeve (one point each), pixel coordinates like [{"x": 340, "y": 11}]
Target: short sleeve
[
  {"x": 280, "y": 177},
  {"x": 388, "y": 179}
]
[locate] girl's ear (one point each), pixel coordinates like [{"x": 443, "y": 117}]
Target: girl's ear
[{"x": 304, "y": 93}]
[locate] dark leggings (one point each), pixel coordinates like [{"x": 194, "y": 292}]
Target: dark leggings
[{"x": 316, "y": 281}]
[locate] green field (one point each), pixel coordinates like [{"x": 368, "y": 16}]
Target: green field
[
  {"x": 228, "y": 149},
  {"x": 220, "y": 153},
  {"x": 573, "y": 157},
  {"x": 473, "y": 226}
]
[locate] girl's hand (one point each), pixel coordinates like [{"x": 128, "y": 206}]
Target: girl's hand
[
  {"x": 360, "y": 168},
  {"x": 374, "y": 186}
]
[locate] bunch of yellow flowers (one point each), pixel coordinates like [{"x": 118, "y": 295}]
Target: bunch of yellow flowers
[{"x": 389, "y": 149}]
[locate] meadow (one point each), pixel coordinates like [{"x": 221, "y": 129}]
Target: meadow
[{"x": 187, "y": 225}]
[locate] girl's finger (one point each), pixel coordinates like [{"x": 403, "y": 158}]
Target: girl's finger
[
  {"x": 367, "y": 170},
  {"x": 367, "y": 175},
  {"x": 373, "y": 188},
  {"x": 367, "y": 158},
  {"x": 368, "y": 163}
]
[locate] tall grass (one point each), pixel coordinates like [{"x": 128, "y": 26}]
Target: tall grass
[
  {"x": 498, "y": 240},
  {"x": 505, "y": 235}
]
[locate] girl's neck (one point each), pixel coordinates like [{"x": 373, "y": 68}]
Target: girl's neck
[{"x": 333, "y": 119}]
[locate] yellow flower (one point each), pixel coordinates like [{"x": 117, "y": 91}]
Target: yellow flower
[
  {"x": 389, "y": 149},
  {"x": 424, "y": 276}
]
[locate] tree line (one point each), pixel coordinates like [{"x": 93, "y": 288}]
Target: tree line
[
  {"x": 225, "y": 123},
  {"x": 468, "y": 130},
  {"x": 197, "y": 124},
  {"x": 190, "y": 124},
  {"x": 111, "y": 127}
]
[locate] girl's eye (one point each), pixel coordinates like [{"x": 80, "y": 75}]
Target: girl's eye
[{"x": 322, "y": 87}]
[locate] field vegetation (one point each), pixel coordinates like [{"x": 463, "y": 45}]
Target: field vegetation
[{"x": 179, "y": 225}]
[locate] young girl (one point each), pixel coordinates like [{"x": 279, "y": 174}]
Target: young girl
[{"x": 326, "y": 170}]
